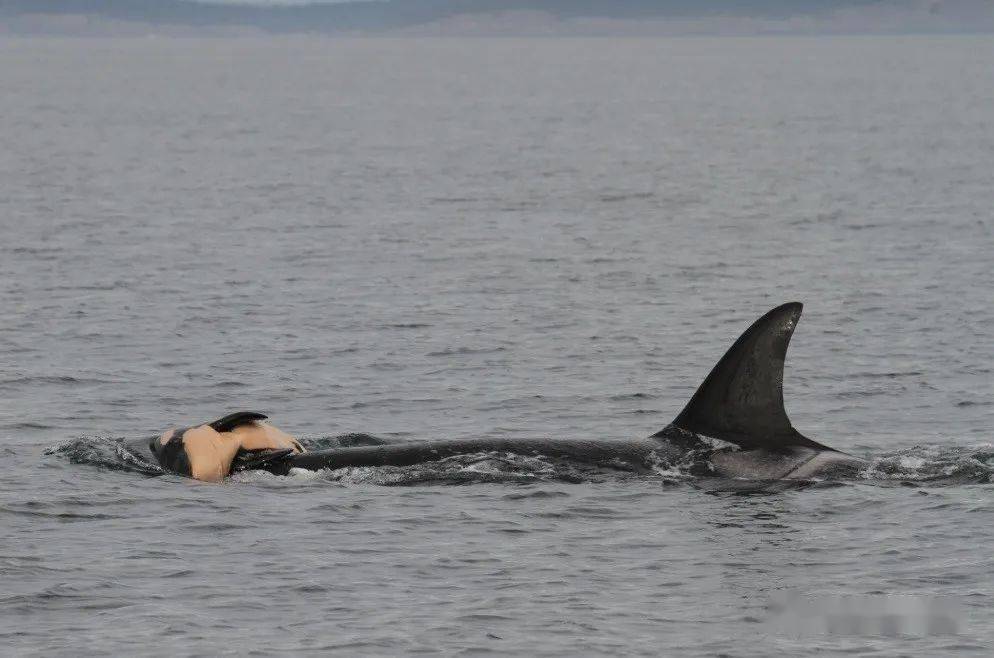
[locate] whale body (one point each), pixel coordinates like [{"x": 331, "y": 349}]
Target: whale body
[{"x": 740, "y": 404}]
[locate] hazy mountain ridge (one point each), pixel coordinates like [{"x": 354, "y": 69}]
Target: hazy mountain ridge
[{"x": 513, "y": 16}]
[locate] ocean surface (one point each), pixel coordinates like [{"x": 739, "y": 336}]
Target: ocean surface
[{"x": 423, "y": 239}]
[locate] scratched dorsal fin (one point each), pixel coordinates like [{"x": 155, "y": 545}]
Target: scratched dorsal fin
[
  {"x": 741, "y": 401},
  {"x": 237, "y": 419}
]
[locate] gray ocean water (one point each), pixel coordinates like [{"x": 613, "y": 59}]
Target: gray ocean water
[{"x": 445, "y": 238}]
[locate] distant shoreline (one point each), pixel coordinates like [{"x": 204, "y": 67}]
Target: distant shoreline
[{"x": 172, "y": 18}]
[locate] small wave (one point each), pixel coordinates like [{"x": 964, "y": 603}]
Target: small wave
[
  {"x": 453, "y": 199},
  {"x": 627, "y": 397},
  {"x": 407, "y": 325},
  {"x": 625, "y": 196},
  {"x": 58, "y": 380},
  {"x": 465, "y": 351},
  {"x": 66, "y": 597},
  {"x": 886, "y": 375},
  {"x": 61, "y": 516},
  {"x": 28, "y": 426},
  {"x": 537, "y": 493},
  {"x": 108, "y": 453}
]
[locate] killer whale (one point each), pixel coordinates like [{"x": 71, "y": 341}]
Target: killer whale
[{"x": 740, "y": 403}]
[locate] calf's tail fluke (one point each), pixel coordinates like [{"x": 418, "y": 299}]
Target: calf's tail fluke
[{"x": 741, "y": 401}]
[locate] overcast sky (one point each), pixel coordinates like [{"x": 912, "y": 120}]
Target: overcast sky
[{"x": 271, "y": 2}]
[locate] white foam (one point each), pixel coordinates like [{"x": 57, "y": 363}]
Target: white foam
[{"x": 911, "y": 463}]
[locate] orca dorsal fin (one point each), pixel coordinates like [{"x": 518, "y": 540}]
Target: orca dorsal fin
[
  {"x": 741, "y": 401},
  {"x": 237, "y": 419}
]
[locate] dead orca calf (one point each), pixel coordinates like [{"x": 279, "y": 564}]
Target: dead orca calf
[
  {"x": 212, "y": 451},
  {"x": 740, "y": 403}
]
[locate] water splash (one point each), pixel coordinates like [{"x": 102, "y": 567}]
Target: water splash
[
  {"x": 935, "y": 464},
  {"x": 114, "y": 454}
]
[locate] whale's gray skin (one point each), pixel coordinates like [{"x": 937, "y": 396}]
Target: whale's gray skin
[
  {"x": 628, "y": 455},
  {"x": 739, "y": 403}
]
